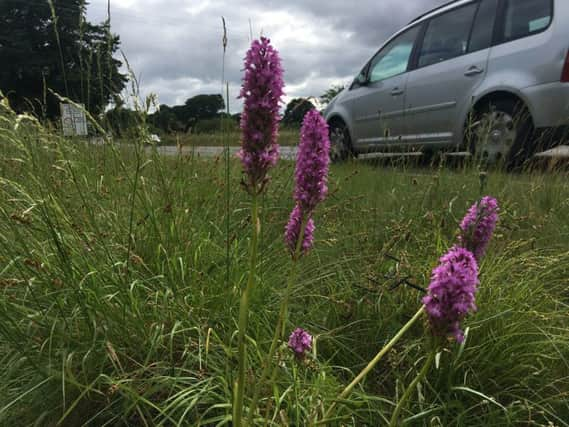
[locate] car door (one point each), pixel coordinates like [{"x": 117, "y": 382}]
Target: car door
[
  {"x": 377, "y": 102},
  {"x": 450, "y": 64}
]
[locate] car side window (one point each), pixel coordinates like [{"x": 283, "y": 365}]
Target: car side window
[
  {"x": 526, "y": 17},
  {"x": 447, "y": 36},
  {"x": 483, "y": 29},
  {"x": 394, "y": 58}
]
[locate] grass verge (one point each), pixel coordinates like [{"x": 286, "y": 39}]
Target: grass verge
[{"x": 117, "y": 307}]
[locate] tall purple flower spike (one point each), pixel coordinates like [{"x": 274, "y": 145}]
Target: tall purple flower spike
[
  {"x": 292, "y": 232},
  {"x": 451, "y": 294},
  {"x": 262, "y": 92},
  {"x": 312, "y": 162},
  {"x": 478, "y": 226},
  {"x": 300, "y": 342},
  {"x": 311, "y": 179}
]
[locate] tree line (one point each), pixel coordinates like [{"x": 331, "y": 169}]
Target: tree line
[
  {"x": 49, "y": 48},
  {"x": 205, "y": 114}
]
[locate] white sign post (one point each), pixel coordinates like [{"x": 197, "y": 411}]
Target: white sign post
[{"x": 73, "y": 120}]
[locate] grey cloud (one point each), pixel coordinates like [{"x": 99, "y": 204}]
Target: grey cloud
[
  {"x": 371, "y": 20},
  {"x": 175, "y": 45}
]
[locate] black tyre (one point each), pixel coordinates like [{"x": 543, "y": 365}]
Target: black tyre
[
  {"x": 340, "y": 143},
  {"x": 502, "y": 134},
  {"x": 430, "y": 157}
]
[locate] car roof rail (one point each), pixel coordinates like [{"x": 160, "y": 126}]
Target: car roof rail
[{"x": 433, "y": 10}]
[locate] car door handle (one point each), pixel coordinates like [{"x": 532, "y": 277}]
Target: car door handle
[
  {"x": 472, "y": 71},
  {"x": 396, "y": 92}
]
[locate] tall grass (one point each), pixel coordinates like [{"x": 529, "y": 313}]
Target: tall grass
[{"x": 115, "y": 308}]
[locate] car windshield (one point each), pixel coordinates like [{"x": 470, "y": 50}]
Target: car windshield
[
  {"x": 393, "y": 59},
  {"x": 395, "y": 62}
]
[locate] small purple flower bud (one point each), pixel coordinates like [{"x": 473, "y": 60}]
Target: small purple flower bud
[
  {"x": 262, "y": 92},
  {"x": 478, "y": 226},
  {"x": 300, "y": 342},
  {"x": 292, "y": 232},
  {"x": 312, "y": 162},
  {"x": 451, "y": 294}
]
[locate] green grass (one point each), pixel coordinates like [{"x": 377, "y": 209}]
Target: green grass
[
  {"x": 287, "y": 137},
  {"x": 119, "y": 302}
]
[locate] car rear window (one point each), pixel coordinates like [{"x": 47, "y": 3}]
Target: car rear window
[{"x": 526, "y": 17}]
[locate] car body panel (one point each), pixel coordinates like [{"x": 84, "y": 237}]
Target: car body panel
[
  {"x": 553, "y": 102},
  {"x": 435, "y": 95},
  {"x": 378, "y": 110}
]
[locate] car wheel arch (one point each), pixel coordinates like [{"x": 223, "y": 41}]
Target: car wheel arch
[
  {"x": 501, "y": 95},
  {"x": 482, "y": 100},
  {"x": 337, "y": 119},
  {"x": 520, "y": 148}
]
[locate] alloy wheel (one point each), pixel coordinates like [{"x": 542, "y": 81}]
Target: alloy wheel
[
  {"x": 338, "y": 143},
  {"x": 496, "y": 134}
]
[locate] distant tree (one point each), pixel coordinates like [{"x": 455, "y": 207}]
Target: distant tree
[
  {"x": 80, "y": 66},
  {"x": 295, "y": 111},
  {"x": 331, "y": 93},
  {"x": 123, "y": 121},
  {"x": 183, "y": 120},
  {"x": 202, "y": 107},
  {"x": 165, "y": 119},
  {"x": 180, "y": 118}
]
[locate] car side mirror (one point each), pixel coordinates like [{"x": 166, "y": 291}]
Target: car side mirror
[{"x": 360, "y": 80}]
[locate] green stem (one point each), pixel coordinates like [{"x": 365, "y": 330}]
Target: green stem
[
  {"x": 346, "y": 392},
  {"x": 281, "y": 323},
  {"x": 244, "y": 316},
  {"x": 296, "y": 406},
  {"x": 401, "y": 404},
  {"x": 283, "y": 314}
]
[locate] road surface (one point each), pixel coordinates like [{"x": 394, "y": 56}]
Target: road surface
[{"x": 289, "y": 153}]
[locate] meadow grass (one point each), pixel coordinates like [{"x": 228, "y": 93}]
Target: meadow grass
[
  {"x": 287, "y": 137},
  {"x": 120, "y": 290}
]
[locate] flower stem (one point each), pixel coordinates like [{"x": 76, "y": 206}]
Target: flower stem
[
  {"x": 283, "y": 315},
  {"x": 346, "y": 392},
  {"x": 244, "y": 315},
  {"x": 296, "y": 403},
  {"x": 281, "y": 323},
  {"x": 401, "y": 404}
]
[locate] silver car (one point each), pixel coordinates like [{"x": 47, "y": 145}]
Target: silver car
[{"x": 486, "y": 76}]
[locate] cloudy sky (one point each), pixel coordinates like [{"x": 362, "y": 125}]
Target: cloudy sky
[{"x": 175, "y": 46}]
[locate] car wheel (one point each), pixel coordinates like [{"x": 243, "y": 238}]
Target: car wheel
[
  {"x": 501, "y": 134},
  {"x": 340, "y": 146}
]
